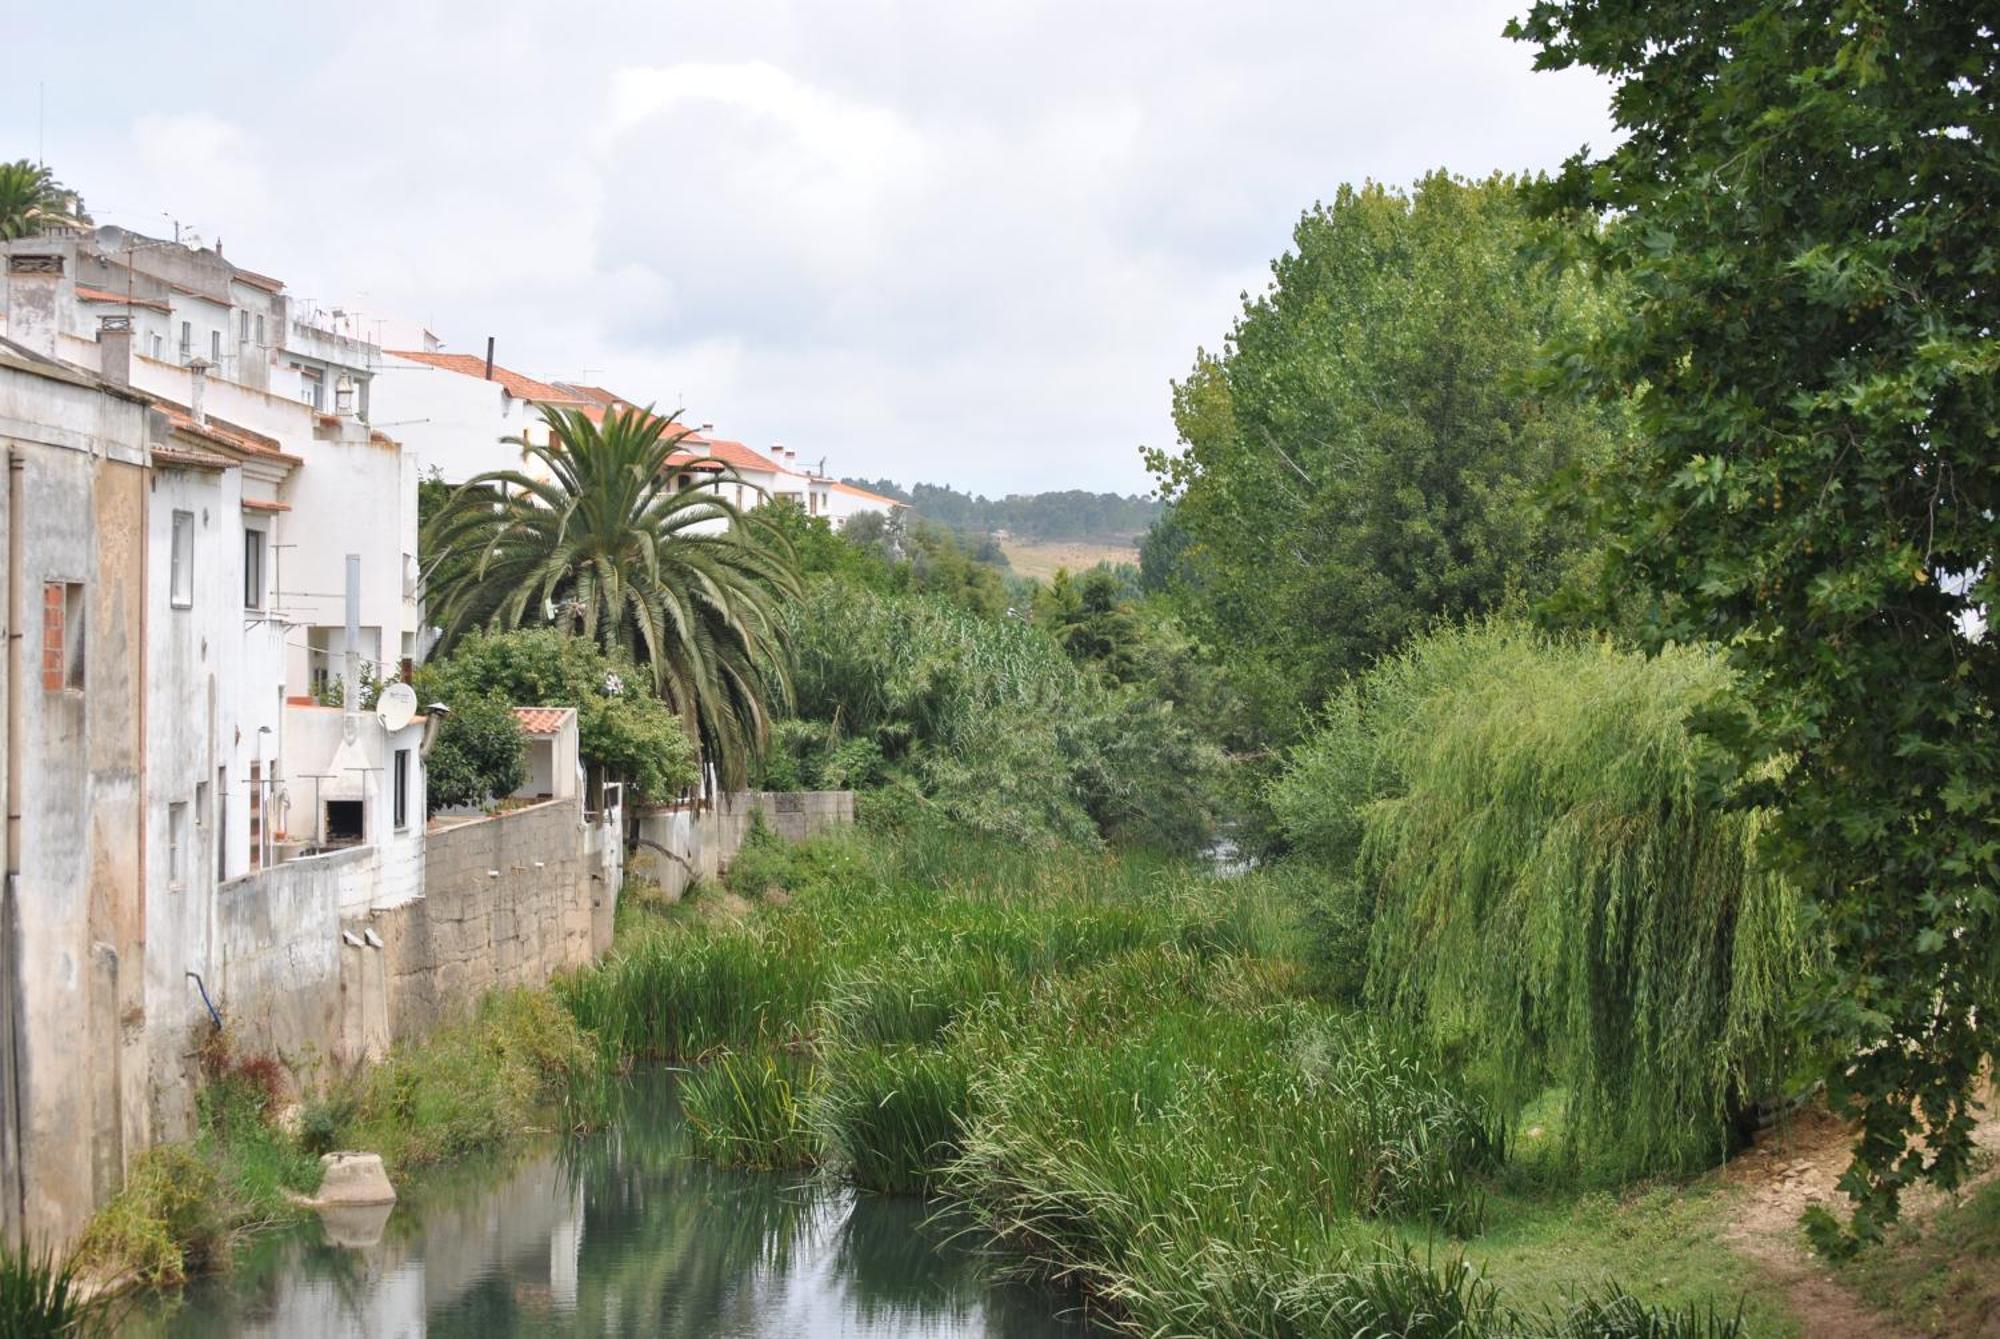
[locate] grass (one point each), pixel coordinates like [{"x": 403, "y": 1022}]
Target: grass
[
  {"x": 1940, "y": 1276},
  {"x": 40, "y": 1298},
  {"x": 1121, "y": 1070}
]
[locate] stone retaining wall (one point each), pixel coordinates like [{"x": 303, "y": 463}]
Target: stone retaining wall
[{"x": 701, "y": 843}]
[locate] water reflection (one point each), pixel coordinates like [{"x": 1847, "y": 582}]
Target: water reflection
[{"x": 619, "y": 1234}]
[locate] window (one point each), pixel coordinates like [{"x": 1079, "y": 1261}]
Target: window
[
  {"x": 222, "y": 822},
  {"x": 62, "y": 636},
  {"x": 182, "y": 574},
  {"x": 243, "y": 327},
  {"x": 158, "y": 345},
  {"x": 201, "y": 815},
  {"x": 215, "y": 347},
  {"x": 187, "y": 340},
  {"x": 402, "y": 789},
  {"x": 260, "y": 328},
  {"x": 253, "y": 569},
  {"x": 177, "y": 845},
  {"x": 312, "y": 388}
]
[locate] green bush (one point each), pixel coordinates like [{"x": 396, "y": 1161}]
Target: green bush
[
  {"x": 479, "y": 755},
  {"x": 890, "y": 1117}
]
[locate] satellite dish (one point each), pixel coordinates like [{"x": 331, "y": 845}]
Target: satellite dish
[{"x": 396, "y": 707}]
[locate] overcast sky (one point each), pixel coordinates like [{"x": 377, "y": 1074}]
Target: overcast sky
[{"x": 968, "y": 243}]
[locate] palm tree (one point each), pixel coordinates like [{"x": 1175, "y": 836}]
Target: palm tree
[
  {"x": 609, "y": 548},
  {"x": 30, "y": 196}
]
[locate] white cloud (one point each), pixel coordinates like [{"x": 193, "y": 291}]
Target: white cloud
[{"x": 967, "y": 243}]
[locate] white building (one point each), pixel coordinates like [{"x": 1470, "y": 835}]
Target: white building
[{"x": 454, "y": 411}]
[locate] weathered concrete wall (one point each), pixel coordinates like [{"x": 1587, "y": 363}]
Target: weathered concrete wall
[
  {"x": 700, "y": 844},
  {"x": 280, "y": 984}
]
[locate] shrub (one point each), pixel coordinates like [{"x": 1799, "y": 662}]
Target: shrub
[
  {"x": 479, "y": 755},
  {"x": 167, "y": 1222}
]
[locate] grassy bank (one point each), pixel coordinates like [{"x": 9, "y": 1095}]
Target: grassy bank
[
  {"x": 519, "y": 1064},
  {"x": 1122, "y": 1070}
]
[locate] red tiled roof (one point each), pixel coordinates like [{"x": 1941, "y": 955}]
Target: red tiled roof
[
  {"x": 542, "y": 720},
  {"x": 852, "y": 491},
  {"x": 256, "y": 280},
  {"x": 473, "y": 365},
  {"x": 265, "y": 504},
  {"x": 596, "y": 394},
  {"x": 174, "y": 456},
  {"x": 738, "y": 456},
  {"x": 687, "y": 460},
  {"x": 85, "y": 293},
  {"x": 225, "y": 434}
]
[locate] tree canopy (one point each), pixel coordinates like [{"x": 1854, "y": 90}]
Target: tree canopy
[
  {"x": 31, "y": 198},
  {"x": 608, "y": 547},
  {"x": 1803, "y": 205},
  {"x": 1365, "y": 454}
]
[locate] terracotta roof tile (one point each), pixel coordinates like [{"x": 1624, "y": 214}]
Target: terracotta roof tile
[
  {"x": 173, "y": 456},
  {"x": 265, "y": 504},
  {"x": 225, "y": 434},
  {"x": 542, "y": 720},
  {"x": 863, "y": 493},
  {"x": 474, "y": 365},
  {"x": 85, "y": 293}
]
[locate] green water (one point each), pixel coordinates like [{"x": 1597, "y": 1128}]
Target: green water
[{"x": 618, "y": 1234}]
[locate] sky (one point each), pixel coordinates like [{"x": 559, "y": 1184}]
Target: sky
[{"x": 943, "y": 240}]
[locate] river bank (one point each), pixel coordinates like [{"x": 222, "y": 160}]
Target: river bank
[{"x": 1119, "y": 1068}]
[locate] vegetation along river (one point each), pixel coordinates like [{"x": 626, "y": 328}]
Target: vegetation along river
[{"x": 622, "y": 1232}]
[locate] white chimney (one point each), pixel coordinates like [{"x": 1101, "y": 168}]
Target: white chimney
[{"x": 198, "y": 390}]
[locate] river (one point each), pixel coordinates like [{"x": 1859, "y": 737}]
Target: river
[{"x": 621, "y": 1233}]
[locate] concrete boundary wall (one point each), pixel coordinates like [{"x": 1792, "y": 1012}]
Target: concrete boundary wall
[
  {"x": 679, "y": 844},
  {"x": 507, "y": 901}
]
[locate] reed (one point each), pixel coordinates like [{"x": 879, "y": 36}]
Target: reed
[
  {"x": 40, "y": 1298},
  {"x": 891, "y": 1118},
  {"x": 750, "y": 1111}
]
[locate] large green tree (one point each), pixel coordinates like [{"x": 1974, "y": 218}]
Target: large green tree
[
  {"x": 1805, "y": 201},
  {"x": 595, "y": 537},
  {"x": 1364, "y": 455}
]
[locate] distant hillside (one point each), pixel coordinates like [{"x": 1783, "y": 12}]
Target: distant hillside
[{"x": 1071, "y": 515}]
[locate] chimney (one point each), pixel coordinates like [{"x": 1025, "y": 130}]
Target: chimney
[
  {"x": 198, "y": 390},
  {"x": 34, "y": 286},
  {"x": 114, "y": 349},
  {"x": 489, "y": 357},
  {"x": 707, "y": 429}
]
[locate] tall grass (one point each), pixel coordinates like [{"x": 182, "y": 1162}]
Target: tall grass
[
  {"x": 40, "y": 1298},
  {"x": 750, "y": 1111},
  {"x": 891, "y": 1118}
]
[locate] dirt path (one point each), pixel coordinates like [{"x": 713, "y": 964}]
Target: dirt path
[{"x": 1800, "y": 1166}]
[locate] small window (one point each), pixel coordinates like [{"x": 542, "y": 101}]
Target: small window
[
  {"x": 215, "y": 347},
  {"x": 201, "y": 814},
  {"x": 187, "y": 340},
  {"x": 402, "y": 789},
  {"x": 260, "y": 328},
  {"x": 177, "y": 845},
  {"x": 158, "y": 346},
  {"x": 253, "y": 569},
  {"x": 312, "y": 388},
  {"x": 243, "y": 327},
  {"x": 182, "y": 574}
]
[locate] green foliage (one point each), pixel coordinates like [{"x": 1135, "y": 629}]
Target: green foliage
[
  {"x": 622, "y": 728},
  {"x": 750, "y": 1111},
  {"x": 1494, "y": 787},
  {"x": 596, "y": 530},
  {"x": 994, "y": 725},
  {"x": 1088, "y": 616},
  {"x": 479, "y": 754},
  {"x": 1814, "y": 340},
  {"x": 890, "y": 1116},
  {"x": 1069, "y": 514},
  {"x": 31, "y": 198},
  {"x": 40, "y": 1299},
  {"x": 519, "y": 1063},
  {"x": 167, "y": 1222},
  {"x": 1363, "y": 457}
]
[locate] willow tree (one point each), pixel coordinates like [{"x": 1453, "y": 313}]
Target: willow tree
[{"x": 595, "y": 536}]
